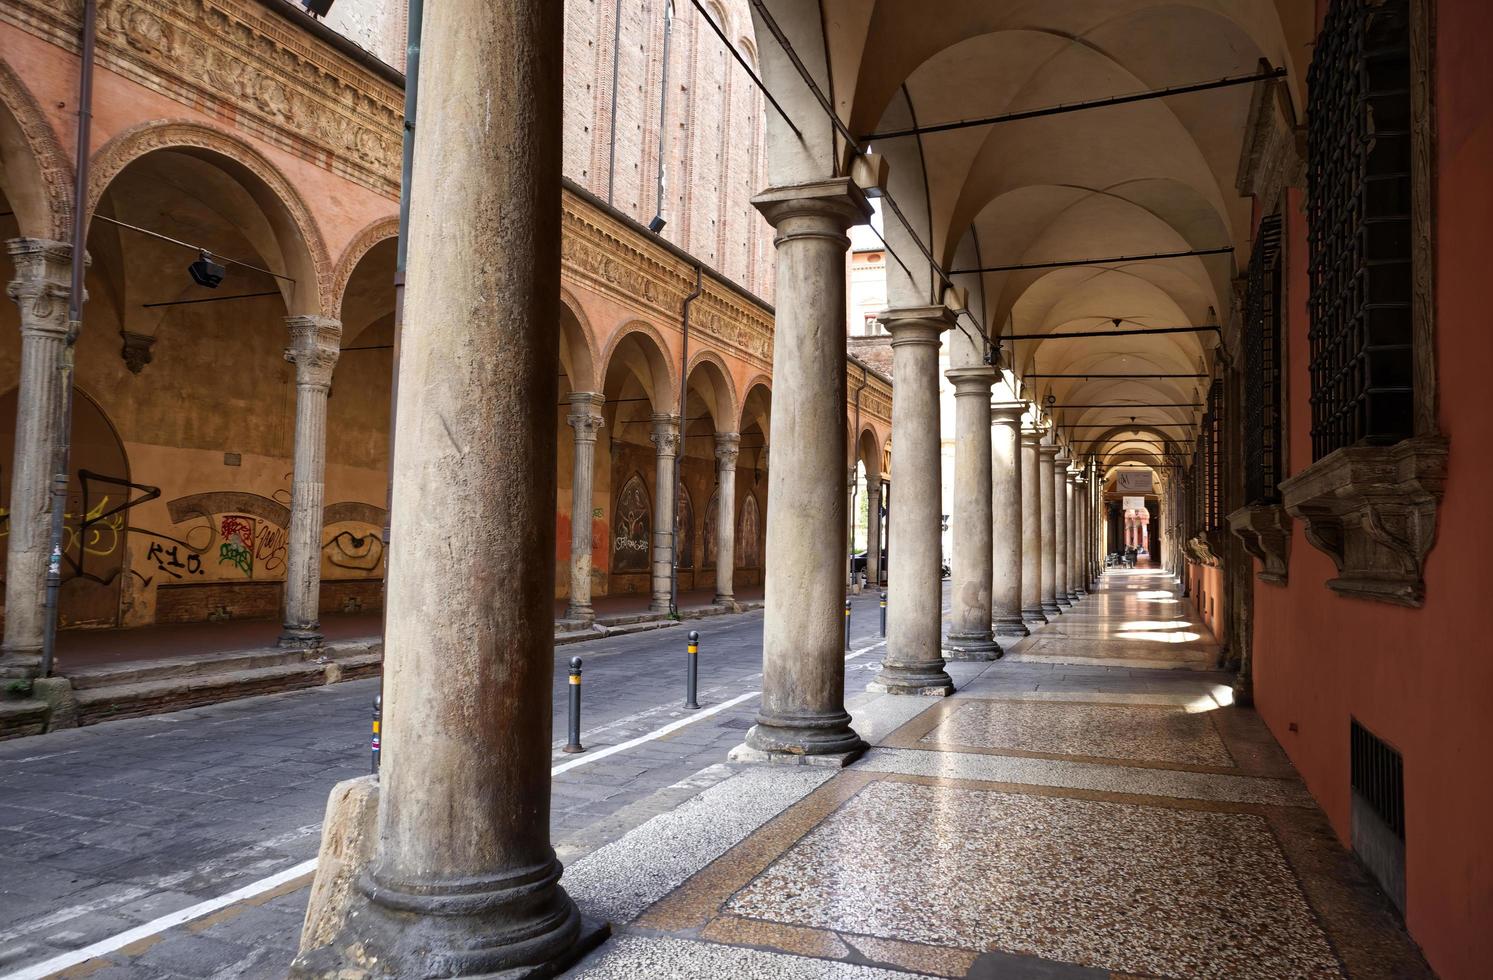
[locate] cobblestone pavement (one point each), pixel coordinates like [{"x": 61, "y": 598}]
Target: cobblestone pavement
[{"x": 112, "y": 826}]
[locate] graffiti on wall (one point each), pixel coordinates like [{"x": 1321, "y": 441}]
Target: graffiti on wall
[
  {"x": 712, "y": 510},
  {"x": 359, "y": 552},
  {"x": 630, "y": 540},
  {"x": 686, "y": 519},
  {"x": 749, "y": 535}
]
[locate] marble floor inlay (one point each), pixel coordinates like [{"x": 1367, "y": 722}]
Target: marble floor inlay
[
  {"x": 1106, "y": 731},
  {"x": 1140, "y": 889}
]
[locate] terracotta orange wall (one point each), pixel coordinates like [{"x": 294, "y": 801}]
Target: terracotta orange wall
[
  {"x": 1205, "y": 588},
  {"x": 1421, "y": 679}
]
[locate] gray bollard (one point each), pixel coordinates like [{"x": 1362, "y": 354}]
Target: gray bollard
[
  {"x": 573, "y": 743},
  {"x": 378, "y": 714},
  {"x": 883, "y": 612},
  {"x": 692, "y": 678},
  {"x": 847, "y": 624}
]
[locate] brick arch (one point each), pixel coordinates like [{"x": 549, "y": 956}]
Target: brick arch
[
  {"x": 306, "y": 252},
  {"x": 583, "y": 377},
  {"x": 725, "y": 415},
  {"x": 362, "y": 243},
  {"x": 661, "y": 366},
  {"x": 51, "y": 209}
]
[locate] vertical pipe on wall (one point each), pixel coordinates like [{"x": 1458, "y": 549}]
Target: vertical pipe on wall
[
  {"x": 616, "y": 72},
  {"x": 679, "y": 456},
  {"x": 657, "y": 224},
  {"x": 78, "y": 255}
]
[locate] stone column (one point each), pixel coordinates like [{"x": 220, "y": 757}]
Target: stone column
[
  {"x": 913, "y": 663},
  {"x": 585, "y": 419},
  {"x": 970, "y": 636},
  {"x": 40, "y": 289},
  {"x": 803, "y": 657},
  {"x": 1070, "y": 540},
  {"x": 463, "y": 880},
  {"x": 1078, "y": 540},
  {"x": 1047, "y": 454},
  {"x": 1032, "y": 612},
  {"x": 873, "y": 529},
  {"x": 1005, "y": 518},
  {"x": 315, "y": 342},
  {"x": 850, "y": 529},
  {"x": 1060, "y": 529},
  {"x": 665, "y": 438},
  {"x": 727, "y": 448}
]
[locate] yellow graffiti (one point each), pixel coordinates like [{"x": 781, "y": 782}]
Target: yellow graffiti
[{"x": 102, "y": 533}]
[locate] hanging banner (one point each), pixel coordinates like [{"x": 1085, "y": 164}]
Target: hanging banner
[
  {"x": 1135, "y": 503},
  {"x": 1133, "y": 481}
]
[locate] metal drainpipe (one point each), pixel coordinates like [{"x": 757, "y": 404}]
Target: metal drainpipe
[
  {"x": 411, "y": 94},
  {"x": 679, "y": 456},
  {"x": 855, "y": 454},
  {"x": 663, "y": 105},
  {"x": 75, "y": 324},
  {"x": 612, "y": 126}
]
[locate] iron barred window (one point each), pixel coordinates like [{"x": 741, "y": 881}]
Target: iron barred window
[
  {"x": 1359, "y": 223},
  {"x": 1213, "y": 459},
  {"x": 1262, "y": 430}
]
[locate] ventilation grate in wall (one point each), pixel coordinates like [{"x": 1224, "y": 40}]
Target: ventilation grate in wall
[{"x": 1377, "y": 773}]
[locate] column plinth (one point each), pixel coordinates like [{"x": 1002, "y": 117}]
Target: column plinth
[
  {"x": 315, "y": 343},
  {"x": 914, "y": 663},
  {"x": 1047, "y": 453},
  {"x": 971, "y": 636},
  {"x": 463, "y": 881},
  {"x": 803, "y": 716},
  {"x": 1032, "y": 612},
  {"x": 585, "y": 420},
  {"x": 1005, "y": 517},
  {"x": 727, "y": 449},
  {"x": 664, "y": 435},
  {"x": 40, "y": 289}
]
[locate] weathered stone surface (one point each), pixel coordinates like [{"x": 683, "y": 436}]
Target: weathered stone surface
[
  {"x": 1265, "y": 530},
  {"x": 347, "y": 839}
]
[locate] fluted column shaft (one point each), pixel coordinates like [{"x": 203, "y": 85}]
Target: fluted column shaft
[
  {"x": 464, "y": 881},
  {"x": 43, "y": 277},
  {"x": 585, "y": 420},
  {"x": 913, "y": 663},
  {"x": 970, "y": 636},
  {"x": 1048, "y": 502},
  {"x": 1005, "y": 518},
  {"x": 1060, "y": 530},
  {"x": 803, "y": 658},
  {"x": 873, "y": 529},
  {"x": 727, "y": 448},
  {"x": 664, "y": 435},
  {"x": 315, "y": 342},
  {"x": 1032, "y": 612}
]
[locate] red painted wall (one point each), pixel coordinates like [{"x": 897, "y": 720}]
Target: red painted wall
[{"x": 1421, "y": 679}]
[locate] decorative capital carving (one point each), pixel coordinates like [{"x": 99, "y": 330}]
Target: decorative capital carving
[
  {"x": 585, "y": 415},
  {"x": 1265, "y": 530},
  {"x": 1372, "y": 510},
  {"x": 1200, "y": 548},
  {"x": 727, "y": 449},
  {"x": 315, "y": 343},
  {"x": 41, "y": 285},
  {"x": 665, "y": 434},
  {"x": 136, "y": 350}
]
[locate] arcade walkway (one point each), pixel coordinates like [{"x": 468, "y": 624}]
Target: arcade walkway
[{"x": 1076, "y": 810}]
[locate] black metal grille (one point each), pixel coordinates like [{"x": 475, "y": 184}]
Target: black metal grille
[
  {"x": 1211, "y": 449},
  {"x": 1378, "y": 776},
  {"x": 1358, "y": 184},
  {"x": 1262, "y": 298}
]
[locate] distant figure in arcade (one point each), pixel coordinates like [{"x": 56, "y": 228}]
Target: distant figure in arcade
[{"x": 1130, "y": 555}]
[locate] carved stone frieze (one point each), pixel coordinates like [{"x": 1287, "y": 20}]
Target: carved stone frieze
[
  {"x": 1273, "y": 156},
  {"x": 135, "y": 350},
  {"x": 54, "y": 167},
  {"x": 1202, "y": 549},
  {"x": 1372, "y": 510},
  {"x": 237, "y": 59},
  {"x": 1265, "y": 530}
]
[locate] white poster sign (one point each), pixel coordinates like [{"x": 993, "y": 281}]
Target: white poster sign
[
  {"x": 1135, "y": 503},
  {"x": 1133, "y": 481}
]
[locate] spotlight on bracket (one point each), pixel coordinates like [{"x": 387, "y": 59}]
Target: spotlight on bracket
[
  {"x": 657, "y": 224},
  {"x": 206, "y": 272},
  {"x": 317, "y": 8}
]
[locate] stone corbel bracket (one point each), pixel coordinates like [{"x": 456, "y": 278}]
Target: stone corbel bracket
[
  {"x": 1265, "y": 530},
  {"x": 1200, "y": 547},
  {"x": 1372, "y": 510}
]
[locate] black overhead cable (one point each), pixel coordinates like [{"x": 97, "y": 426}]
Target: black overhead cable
[
  {"x": 745, "y": 67},
  {"x": 1103, "y": 377},
  {"x": 195, "y": 248},
  {"x": 1066, "y": 107},
  {"x": 1109, "y": 333},
  {"x": 1128, "y": 405},
  {"x": 1067, "y": 263}
]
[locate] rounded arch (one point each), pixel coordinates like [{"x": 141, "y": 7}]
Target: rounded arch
[
  {"x": 651, "y": 362},
  {"x": 296, "y": 233},
  {"x": 30, "y": 150},
  {"x": 868, "y": 450},
  {"x": 379, "y": 230},
  {"x": 718, "y": 390},
  {"x": 577, "y": 344}
]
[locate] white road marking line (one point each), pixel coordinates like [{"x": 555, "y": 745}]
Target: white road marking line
[{"x": 114, "y": 943}]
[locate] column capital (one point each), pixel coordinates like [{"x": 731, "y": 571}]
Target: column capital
[
  {"x": 913, "y": 325},
  {"x": 1007, "y": 413},
  {"x": 585, "y": 414},
  {"x": 43, "y": 277},
  {"x": 1048, "y": 451},
  {"x": 315, "y": 344},
  {"x": 1031, "y": 436},
  {"x": 727, "y": 448},
  {"x": 837, "y": 199},
  {"x": 664, "y": 434},
  {"x": 971, "y": 381}
]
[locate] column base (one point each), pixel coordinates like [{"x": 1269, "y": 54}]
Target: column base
[
  {"x": 20, "y": 664},
  {"x": 971, "y": 646},
  {"x": 301, "y": 638},
  {"x": 783, "y": 757},
  {"x": 659, "y": 606},
  {"x": 1063, "y": 601},
  {"x": 582, "y": 614},
  {"x": 1074, "y": 596},
  {"x": 1050, "y": 608},
  {"x": 1033, "y": 616},
  {"x": 803, "y": 735},
  {"x": 927, "y": 679},
  {"x": 1011, "y": 626},
  {"x": 727, "y": 602}
]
